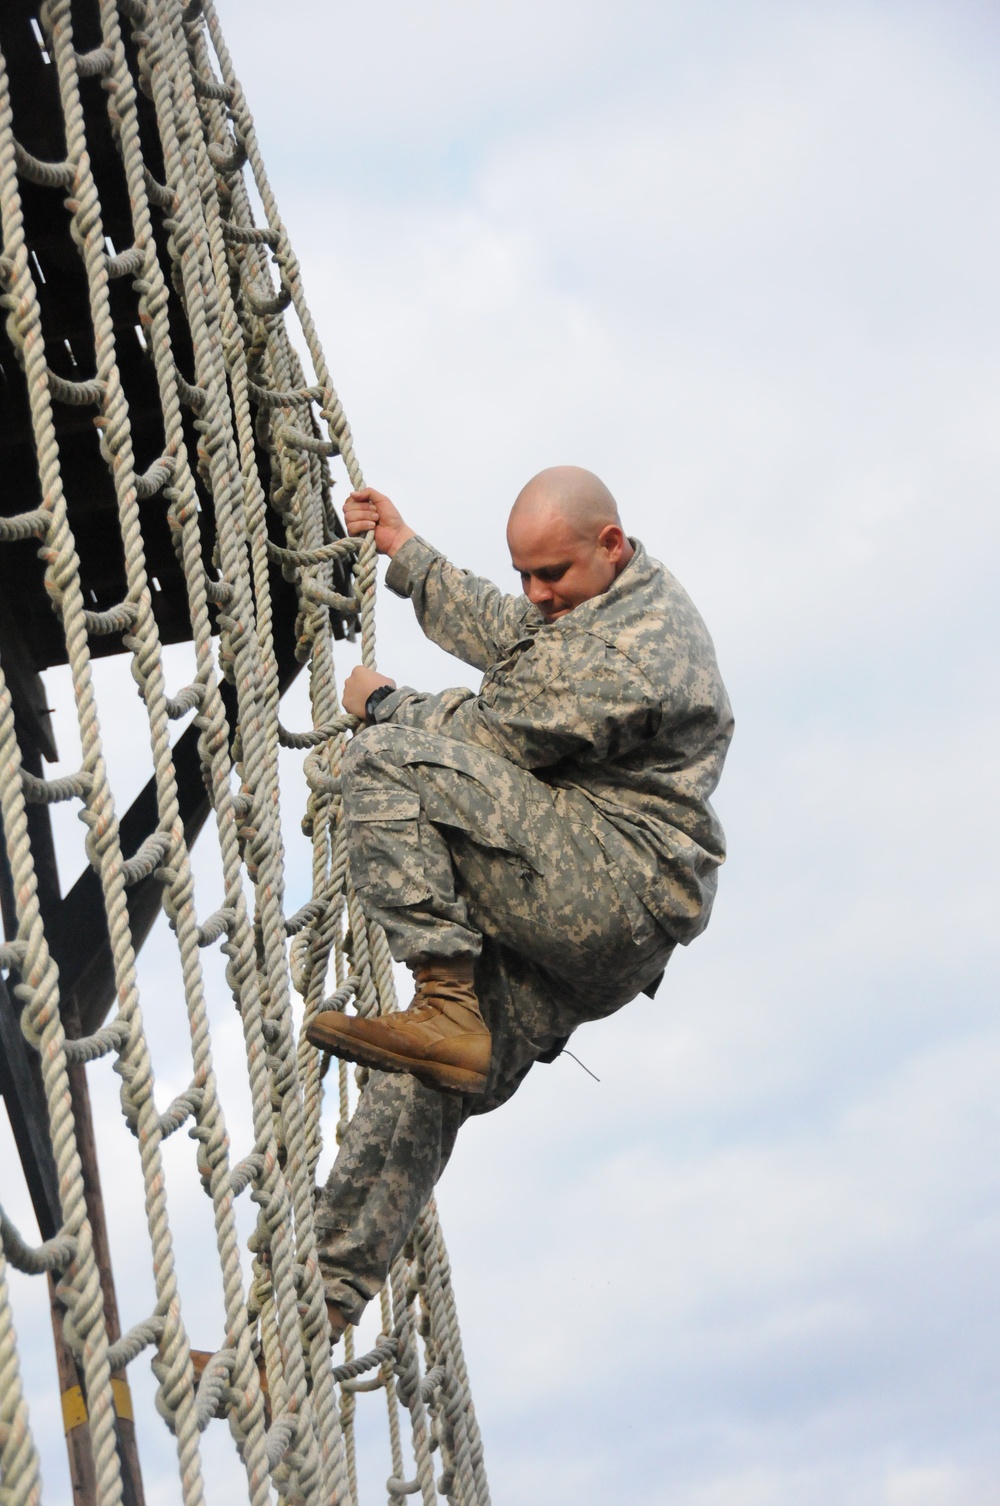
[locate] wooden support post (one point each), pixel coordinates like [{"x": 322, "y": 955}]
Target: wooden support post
[
  {"x": 21, "y": 1086},
  {"x": 82, "y": 1472},
  {"x": 86, "y": 1146}
]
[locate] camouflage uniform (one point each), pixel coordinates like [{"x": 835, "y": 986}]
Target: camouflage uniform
[{"x": 556, "y": 827}]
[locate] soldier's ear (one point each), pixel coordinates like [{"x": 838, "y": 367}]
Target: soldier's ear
[{"x": 612, "y": 540}]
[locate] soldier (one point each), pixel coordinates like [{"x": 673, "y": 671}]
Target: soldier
[{"x": 534, "y": 853}]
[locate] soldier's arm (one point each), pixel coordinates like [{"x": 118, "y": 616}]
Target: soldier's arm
[
  {"x": 463, "y": 614},
  {"x": 591, "y": 707}
]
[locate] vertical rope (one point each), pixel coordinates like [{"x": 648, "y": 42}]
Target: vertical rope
[{"x": 231, "y": 281}]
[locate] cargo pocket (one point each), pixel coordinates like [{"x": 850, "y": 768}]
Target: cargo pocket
[
  {"x": 475, "y": 792},
  {"x": 383, "y": 842}
]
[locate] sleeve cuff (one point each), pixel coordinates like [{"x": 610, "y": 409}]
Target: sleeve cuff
[
  {"x": 409, "y": 565},
  {"x": 385, "y": 708}
]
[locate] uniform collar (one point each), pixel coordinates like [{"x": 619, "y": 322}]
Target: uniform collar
[{"x": 635, "y": 574}]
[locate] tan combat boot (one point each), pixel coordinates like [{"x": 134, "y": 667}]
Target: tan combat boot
[
  {"x": 338, "y": 1323},
  {"x": 441, "y": 1038}
]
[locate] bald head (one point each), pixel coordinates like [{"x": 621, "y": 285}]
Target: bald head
[
  {"x": 566, "y": 539},
  {"x": 568, "y": 492}
]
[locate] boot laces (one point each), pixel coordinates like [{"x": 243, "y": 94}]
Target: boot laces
[{"x": 421, "y": 1010}]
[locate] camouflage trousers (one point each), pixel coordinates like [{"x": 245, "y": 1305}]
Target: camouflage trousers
[{"x": 456, "y": 852}]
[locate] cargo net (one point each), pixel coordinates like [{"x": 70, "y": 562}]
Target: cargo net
[{"x": 242, "y": 479}]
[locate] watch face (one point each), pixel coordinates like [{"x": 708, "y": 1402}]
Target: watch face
[{"x": 376, "y": 698}]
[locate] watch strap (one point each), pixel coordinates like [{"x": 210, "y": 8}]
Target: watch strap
[{"x": 375, "y": 700}]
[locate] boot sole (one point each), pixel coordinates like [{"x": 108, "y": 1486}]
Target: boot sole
[
  {"x": 440, "y": 1075},
  {"x": 201, "y": 1357},
  {"x": 199, "y": 1362}
]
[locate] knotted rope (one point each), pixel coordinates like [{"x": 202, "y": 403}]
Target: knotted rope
[{"x": 231, "y": 281}]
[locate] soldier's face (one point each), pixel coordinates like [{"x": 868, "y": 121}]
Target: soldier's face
[{"x": 559, "y": 570}]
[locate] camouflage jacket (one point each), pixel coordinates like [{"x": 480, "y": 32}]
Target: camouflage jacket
[{"x": 619, "y": 703}]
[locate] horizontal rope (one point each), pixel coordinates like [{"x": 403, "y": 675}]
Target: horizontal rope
[
  {"x": 129, "y": 1347},
  {"x": 90, "y": 1048},
  {"x": 156, "y": 477},
  {"x": 431, "y": 1381},
  {"x": 342, "y": 996},
  {"x": 184, "y": 701},
  {"x": 210, "y": 88},
  {"x": 54, "y": 791},
  {"x": 147, "y": 858},
  {"x": 265, "y": 301},
  {"x": 245, "y": 1173},
  {"x": 159, "y": 193},
  {"x": 193, "y": 397},
  {"x": 318, "y": 734},
  {"x": 34, "y": 1260},
  {"x": 295, "y": 439},
  {"x": 12, "y": 954},
  {"x": 272, "y": 397},
  {"x": 303, "y": 917},
  {"x": 85, "y": 394},
  {"x": 324, "y": 597},
  {"x": 25, "y": 525},
  {"x": 219, "y": 591},
  {"x": 242, "y": 235},
  {"x": 227, "y": 162},
  {"x": 321, "y": 783},
  {"x": 335, "y": 550},
  {"x": 45, "y": 174},
  {"x": 181, "y": 1110},
  {"x": 213, "y": 1385},
  {"x": 117, "y": 619},
  {"x": 380, "y": 1355},
  {"x": 95, "y": 64},
  {"x": 217, "y": 924},
  {"x": 125, "y": 263}
]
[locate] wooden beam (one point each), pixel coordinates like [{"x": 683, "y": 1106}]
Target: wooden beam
[
  {"x": 78, "y": 932},
  {"x": 86, "y": 1146},
  {"x": 27, "y": 689},
  {"x": 21, "y": 1085},
  {"x": 29, "y": 1119},
  {"x": 43, "y": 847},
  {"x": 82, "y": 1473}
]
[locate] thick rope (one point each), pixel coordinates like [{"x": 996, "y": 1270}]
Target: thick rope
[{"x": 248, "y": 391}]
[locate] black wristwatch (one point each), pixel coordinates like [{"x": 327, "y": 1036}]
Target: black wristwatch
[{"x": 375, "y": 700}]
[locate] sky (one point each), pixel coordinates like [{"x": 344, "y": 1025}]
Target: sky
[{"x": 740, "y": 260}]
